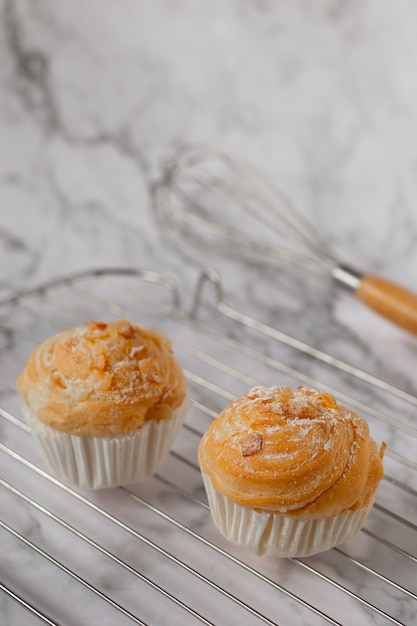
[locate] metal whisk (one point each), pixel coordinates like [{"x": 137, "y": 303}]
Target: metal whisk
[{"x": 200, "y": 199}]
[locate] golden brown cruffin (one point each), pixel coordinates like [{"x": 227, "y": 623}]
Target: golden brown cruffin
[
  {"x": 102, "y": 379},
  {"x": 298, "y": 453}
]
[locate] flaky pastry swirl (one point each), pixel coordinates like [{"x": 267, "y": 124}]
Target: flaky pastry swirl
[
  {"x": 102, "y": 379},
  {"x": 295, "y": 452}
]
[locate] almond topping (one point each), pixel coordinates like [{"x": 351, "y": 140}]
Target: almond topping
[
  {"x": 97, "y": 325},
  {"x": 126, "y": 330},
  {"x": 251, "y": 444}
]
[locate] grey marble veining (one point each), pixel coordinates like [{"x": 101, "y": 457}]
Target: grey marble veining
[{"x": 94, "y": 96}]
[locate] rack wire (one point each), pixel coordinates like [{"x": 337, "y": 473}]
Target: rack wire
[{"x": 149, "y": 553}]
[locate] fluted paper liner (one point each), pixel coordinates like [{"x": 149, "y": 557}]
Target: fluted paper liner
[
  {"x": 99, "y": 462},
  {"x": 276, "y": 535}
]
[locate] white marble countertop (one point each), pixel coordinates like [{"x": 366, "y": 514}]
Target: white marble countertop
[{"x": 320, "y": 96}]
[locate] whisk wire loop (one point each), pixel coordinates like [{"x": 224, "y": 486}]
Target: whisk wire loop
[
  {"x": 200, "y": 182},
  {"x": 234, "y": 184}
]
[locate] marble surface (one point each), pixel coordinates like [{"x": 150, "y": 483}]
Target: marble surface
[{"x": 322, "y": 96}]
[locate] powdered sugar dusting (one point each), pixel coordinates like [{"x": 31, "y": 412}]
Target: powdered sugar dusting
[
  {"x": 313, "y": 457},
  {"x": 116, "y": 374},
  {"x": 297, "y": 416}
]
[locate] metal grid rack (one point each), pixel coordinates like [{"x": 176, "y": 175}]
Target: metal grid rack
[{"x": 149, "y": 553}]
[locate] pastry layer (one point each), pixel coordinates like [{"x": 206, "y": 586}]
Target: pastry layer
[
  {"x": 102, "y": 379},
  {"x": 296, "y": 452}
]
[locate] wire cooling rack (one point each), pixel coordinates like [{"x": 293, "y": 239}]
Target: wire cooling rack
[{"x": 149, "y": 553}]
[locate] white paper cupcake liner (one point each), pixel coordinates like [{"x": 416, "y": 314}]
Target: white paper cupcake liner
[
  {"x": 99, "y": 462},
  {"x": 276, "y": 535}
]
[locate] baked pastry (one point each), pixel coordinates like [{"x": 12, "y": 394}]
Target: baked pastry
[
  {"x": 289, "y": 473},
  {"x": 104, "y": 402}
]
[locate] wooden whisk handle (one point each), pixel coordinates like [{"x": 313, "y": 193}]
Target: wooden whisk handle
[{"x": 390, "y": 300}]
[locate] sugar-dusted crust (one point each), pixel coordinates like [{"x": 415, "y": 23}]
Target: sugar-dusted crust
[
  {"x": 102, "y": 379},
  {"x": 295, "y": 452}
]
